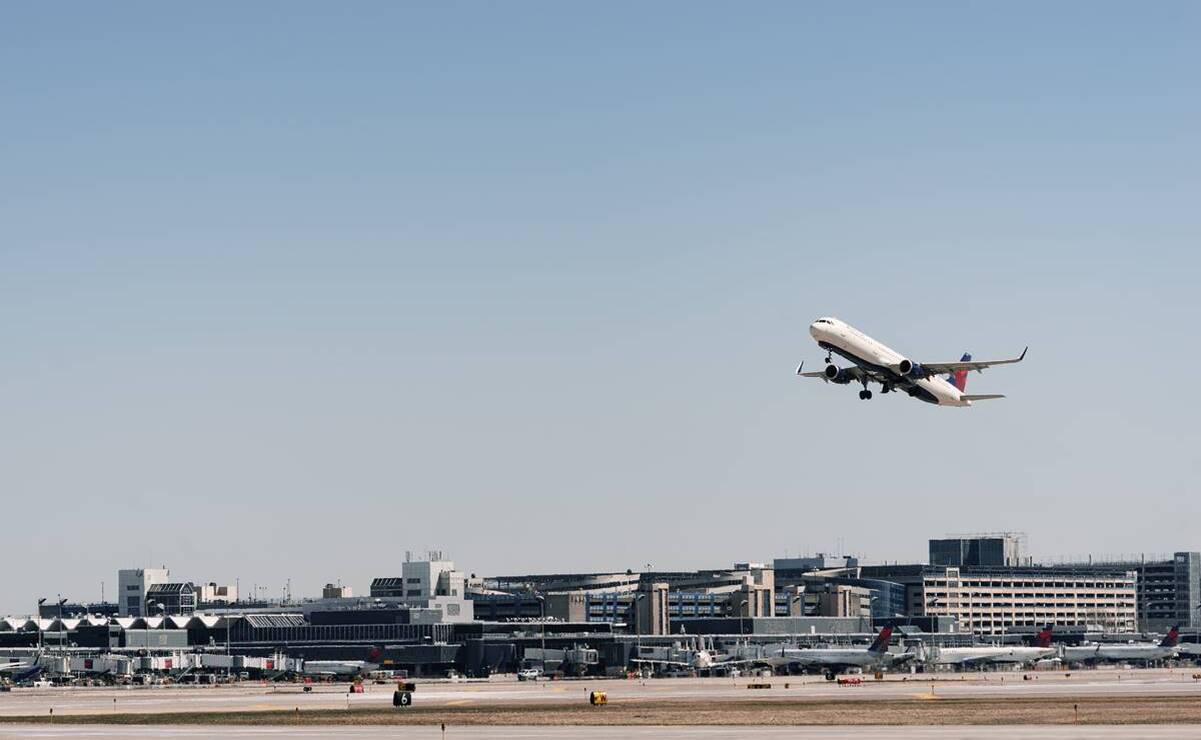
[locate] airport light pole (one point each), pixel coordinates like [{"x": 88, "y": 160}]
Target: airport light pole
[
  {"x": 62, "y": 636},
  {"x": 542, "y": 613},
  {"x": 638, "y": 627},
  {"x": 37, "y": 621}
]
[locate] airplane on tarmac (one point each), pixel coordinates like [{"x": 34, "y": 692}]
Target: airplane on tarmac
[
  {"x": 983, "y": 654},
  {"x": 342, "y": 668},
  {"x": 22, "y": 670},
  {"x": 698, "y": 658},
  {"x": 833, "y": 660},
  {"x": 1166, "y": 648},
  {"x": 872, "y": 362}
]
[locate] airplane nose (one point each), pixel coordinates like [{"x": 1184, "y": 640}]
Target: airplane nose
[{"x": 814, "y": 330}]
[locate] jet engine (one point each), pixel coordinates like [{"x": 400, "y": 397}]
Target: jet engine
[
  {"x": 837, "y": 375},
  {"x": 910, "y": 369}
]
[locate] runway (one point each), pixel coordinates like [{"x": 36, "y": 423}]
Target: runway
[
  {"x": 506, "y": 692},
  {"x": 1036, "y": 732}
]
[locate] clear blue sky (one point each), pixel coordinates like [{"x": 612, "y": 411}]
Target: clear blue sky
[{"x": 289, "y": 288}]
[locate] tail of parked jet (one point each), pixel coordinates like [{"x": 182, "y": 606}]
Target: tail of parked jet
[
  {"x": 1043, "y": 640},
  {"x": 1170, "y": 639},
  {"x": 882, "y": 640},
  {"x": 959, "y": 377}
]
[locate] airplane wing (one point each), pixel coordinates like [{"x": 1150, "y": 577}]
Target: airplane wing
[
  {"x": 943, "y": 368},
  {"x": 652, "y": 663},
  {"x": 854, "y": 371},
  {"x": 738, "y": 661}
]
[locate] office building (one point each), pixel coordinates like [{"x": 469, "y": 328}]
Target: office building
[{"x": 992, "y": 601}]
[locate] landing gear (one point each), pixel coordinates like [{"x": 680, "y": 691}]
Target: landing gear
[
  {"x": 831, "y": 675},
  {"x": 886, "y": 389},
  {"x": 829, "y": 358},
  {"x": 865, "y": 395}
]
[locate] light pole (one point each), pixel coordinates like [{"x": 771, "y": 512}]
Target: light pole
[
  {"x": 62, "y": 631},
  {"x": 638, "y": 626},
  {"x": 37, "y": 621},
  {"x": 542, "y": 619}
]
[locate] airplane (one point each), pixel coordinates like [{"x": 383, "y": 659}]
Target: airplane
[
  {"x": 22, "y": 670},
  {"x": 980, "y": 655},
  {"x": 872, "y": 362},
  {"x": 1166, "y": 648},
  {"x": 342, "y": 668},
  {"x": 697, "y": 658},
  {"x": 832, "y": 660},
  {"x": 337, "y": 668}
]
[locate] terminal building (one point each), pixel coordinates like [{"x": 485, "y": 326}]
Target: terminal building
[
  {"x": 428, "y": 584},
  {"x": 132, "y": 585}
]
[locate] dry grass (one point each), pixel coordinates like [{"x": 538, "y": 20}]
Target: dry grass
[{"x": 1108, "y": 710}]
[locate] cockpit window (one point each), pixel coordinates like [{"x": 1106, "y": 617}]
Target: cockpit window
[{"x": 823, "y": 321}]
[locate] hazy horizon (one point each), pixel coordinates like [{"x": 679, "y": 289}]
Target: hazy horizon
[{"x": 291, "y": 288}]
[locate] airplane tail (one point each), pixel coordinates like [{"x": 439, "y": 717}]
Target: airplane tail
[
  {"x": 881, "y": 643},
  {"x": 1172, "y": 638},
  {"x": 1043, "y": 640},
  {"x": 959, "y": 377}
]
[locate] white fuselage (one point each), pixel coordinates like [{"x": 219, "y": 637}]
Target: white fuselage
[
  {"x": 1118, "y": 652},
  {"x": 844, "y": 339},
  {"x": 834, "y": 657},
  {"x": 337, "y": 667},
  {"x": 988, "y": 654}
]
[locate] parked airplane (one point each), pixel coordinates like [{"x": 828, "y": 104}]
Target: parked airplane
[
  {"x": 983, "y": 654},
  {"x": 872, "y": 362},
  {"x": 1166, "y": 648},
  {"x": 833, "y": 660},
  {"x": 22, "y": 670},
  {"x": 698, "y": 658},
  {"x": 342, "y": 668},
  {"x": 337, "y": 668}
]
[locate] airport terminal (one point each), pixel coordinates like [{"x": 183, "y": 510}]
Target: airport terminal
[{"x": 430, "y": 619}]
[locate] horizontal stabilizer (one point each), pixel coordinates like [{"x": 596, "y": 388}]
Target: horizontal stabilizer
[{"x": 982, "y": 397}]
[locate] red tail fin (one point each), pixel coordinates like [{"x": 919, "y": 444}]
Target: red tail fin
[
  {"x": 881, "y": 643},
  {"x": 1043, "y": 640},
  {"x": 959, "y": 377},
  {"x": 1173, "y": 637}
]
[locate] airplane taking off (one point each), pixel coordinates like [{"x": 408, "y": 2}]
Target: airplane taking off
[{"x": 875, "y": 363}]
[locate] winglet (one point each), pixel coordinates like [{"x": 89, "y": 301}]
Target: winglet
[
  {"x": 1019, "y": 358},
  {"x": 800, "y": 367}
]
